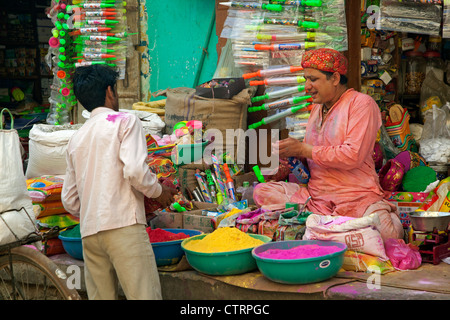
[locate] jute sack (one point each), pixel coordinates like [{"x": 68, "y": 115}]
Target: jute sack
[{"x": 183, "y": 105}]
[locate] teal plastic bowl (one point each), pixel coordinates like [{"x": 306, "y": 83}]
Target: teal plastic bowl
[
  {"x": 222, "y": 263},
  {"x": 72, "y": 246},
  {"x": 299, "y": 271},
  {"x": 188, "y": 153},
  {"x": 170, "y": 252}
]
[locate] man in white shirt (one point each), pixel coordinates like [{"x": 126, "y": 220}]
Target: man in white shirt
[{"x": 106, "y": 180}]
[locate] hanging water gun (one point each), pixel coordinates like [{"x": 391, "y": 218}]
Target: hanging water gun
[
  {"x": 304, "y": 3},
  {"x": 271, "y": 72},
  {"x": 278, "y": 81},
  {"x": 279, "y": 93},
  {"x": 281, "y": 103},
  {"x": 291, "y": 36},
  {"x": 278, "y": 116},
  {"x": 288, "y": 46},
  {"x": 253, "y": 5},
  {"x": 292, "y": 22}
]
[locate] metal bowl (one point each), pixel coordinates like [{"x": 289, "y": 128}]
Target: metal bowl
[{"x": 429, "y": 220}]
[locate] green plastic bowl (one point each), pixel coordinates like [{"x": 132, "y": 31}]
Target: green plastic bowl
[
  {"x": 299, "y": 271},
  {"x": 188, "y": 153},
  {"x": 222, "y": 263}
]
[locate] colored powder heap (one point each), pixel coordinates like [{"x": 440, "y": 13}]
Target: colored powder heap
[
  {"x": 72, "y": 233},
  {"x": 300, "y": 252},
  {"x": 160, "y": 235},
  {"x": 222, "y": 240}
]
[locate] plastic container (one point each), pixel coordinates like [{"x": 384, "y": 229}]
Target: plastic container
[
  {"x": 247, "y": 194},
  {"x": 188, "y": 153},
  {"x": 222, "y": 263},
  {"x": 415, "y": 72},
  {"x": 435, "y": 63},
  {"x": 73, "y": 246},
  {"x": 170, "y": 252},
  {"x": 221, "y": 88},
  {"x": 299, "y": 271}
]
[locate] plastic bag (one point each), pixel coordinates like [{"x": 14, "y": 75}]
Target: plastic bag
[
  {"x": 402, "y": 256},
  {"x": 435, "y": 141}
]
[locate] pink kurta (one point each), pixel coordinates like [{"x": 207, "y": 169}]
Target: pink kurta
[{"x": 343, "y": 177}]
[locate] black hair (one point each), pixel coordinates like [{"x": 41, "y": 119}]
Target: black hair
[
  {"x": 90, "y": 84},
  {"x": 343, "y": 80}
]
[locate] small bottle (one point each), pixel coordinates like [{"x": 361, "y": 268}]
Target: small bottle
[
  {"x": 248, "y": 194},
  {"x": 240, "y": 190}
]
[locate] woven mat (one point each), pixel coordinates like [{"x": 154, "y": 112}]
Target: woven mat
[{"x": 428, "y": 277}]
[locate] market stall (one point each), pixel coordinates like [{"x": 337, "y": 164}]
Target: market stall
[{"x": 205, "y": 142}]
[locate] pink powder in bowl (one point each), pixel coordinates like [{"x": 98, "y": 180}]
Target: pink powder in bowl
[{"x": 299, "y": 252}]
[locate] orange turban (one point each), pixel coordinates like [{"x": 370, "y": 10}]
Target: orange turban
[{"x": 325, "y": 59}]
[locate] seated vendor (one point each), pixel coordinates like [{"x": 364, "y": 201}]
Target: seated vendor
[{"x": 337, "y": 148}]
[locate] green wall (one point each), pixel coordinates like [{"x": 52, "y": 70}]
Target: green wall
[{"x": 177, "y": 32}]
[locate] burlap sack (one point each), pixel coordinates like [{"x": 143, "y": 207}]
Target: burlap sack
[{"x": 183, "y": 105}]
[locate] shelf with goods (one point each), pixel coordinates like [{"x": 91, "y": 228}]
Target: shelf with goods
[
  {"x": 417, "y": 59},
  {"x": 23, "y": 74}
]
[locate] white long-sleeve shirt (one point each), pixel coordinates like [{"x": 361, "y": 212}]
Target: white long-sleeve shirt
[{"x": 107, "y": 174}]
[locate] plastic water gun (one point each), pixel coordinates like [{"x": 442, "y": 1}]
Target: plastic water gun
[
  {"x": 304, "y": 3},
  {"x": 229, "y": 182},
  {"x": 258, "y": 174},
  {"x": 279, "y": 93},
  {"x": 212, "y": 186},
  {"x": 288, "y": 46},
  {"x": 253, "y": 5},
  {"x": 278, "y": 81},
  {"x": 278, "y": 116},
  {"x": 292, "y": 22},
  {"x": 281, "y": 103},
  {"x": 218, "y": 177},
  {"x": 271, "y": 72},
  {"x": 291, "y": 36},
  {"x": 203, "y": 187}
]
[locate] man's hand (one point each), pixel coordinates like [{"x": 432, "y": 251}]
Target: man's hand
[
  {"x": 291, "y": 147},
  {"x": 166, "y": 197}
]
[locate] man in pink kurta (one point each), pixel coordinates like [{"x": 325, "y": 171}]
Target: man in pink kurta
[{"x": 338, "y": 148}]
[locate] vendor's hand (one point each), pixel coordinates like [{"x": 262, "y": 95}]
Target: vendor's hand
[
  {"x": 166, "y": 197},
  {"x": 291, "y": 147}
]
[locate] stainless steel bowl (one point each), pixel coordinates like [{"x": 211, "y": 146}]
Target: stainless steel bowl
[{"x": 428, "y": 221}]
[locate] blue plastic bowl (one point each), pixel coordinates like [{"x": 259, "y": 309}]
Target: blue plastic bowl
[
  {"x": 300, "y": 271},
  {"x": 72, "y": 246},
  {"x": 170, "y": 252}
]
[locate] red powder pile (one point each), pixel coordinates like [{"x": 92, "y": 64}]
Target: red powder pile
[
  {"x": 299, "y": 252},
  {"x": 160, "y": 235}
]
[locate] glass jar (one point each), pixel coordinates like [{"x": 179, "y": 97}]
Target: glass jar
[
  {"x": 435, "y": 63},
  {"x": 434, "y": 43},
  {"x": 414, "y": 73}
]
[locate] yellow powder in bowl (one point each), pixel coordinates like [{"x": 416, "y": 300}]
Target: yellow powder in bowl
[{"x": 222, "y": 240}]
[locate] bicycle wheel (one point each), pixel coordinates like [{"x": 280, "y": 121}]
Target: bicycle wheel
[{"x": 35, "y": 276}]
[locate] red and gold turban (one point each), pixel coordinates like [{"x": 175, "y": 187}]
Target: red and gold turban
[{"x": 325, "y": 59}]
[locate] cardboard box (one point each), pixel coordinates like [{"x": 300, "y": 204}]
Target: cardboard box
[
  {"x": 195, "y": 220},
  {"x": 404, "y": 209},
  {"x": 174, "y": 220},
  {"x": 167, "y": 220}
]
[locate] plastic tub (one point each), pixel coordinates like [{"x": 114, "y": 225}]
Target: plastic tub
[
  {"x": 170, "y": 252},
  {"x": 222, "y": 263},
  {"x": 299, "y": 271},
  {"x": 72, "y": 246}
]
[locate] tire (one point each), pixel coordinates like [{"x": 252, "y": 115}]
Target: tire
[{"x": 36, "y": 277}]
